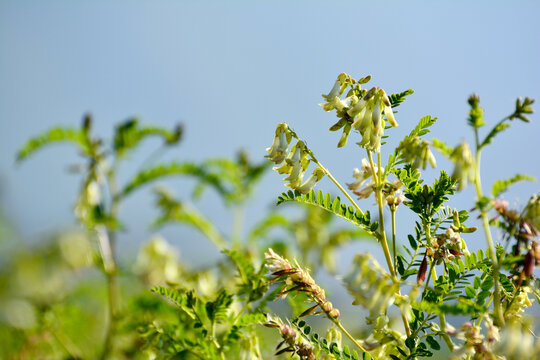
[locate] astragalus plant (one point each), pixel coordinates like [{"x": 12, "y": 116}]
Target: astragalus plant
[
  {"x": 433, "y": 277},
  {"x": 430, "y": 296}
]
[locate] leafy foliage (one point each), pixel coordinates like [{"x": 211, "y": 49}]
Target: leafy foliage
[
  {"x": 52, "y": 136},
  {"x": 129, "y": 134},
  {"x": 215, "y": 311},
  {"x": 172, "y": 169},
  {"x": 334, "y": 206},
  {"x": 501, "y": 186}
]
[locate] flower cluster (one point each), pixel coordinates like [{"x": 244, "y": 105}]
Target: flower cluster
[
  {"x": 293, "y": 343},
  {"x": 464, "y": 165},
  {"x": 294, "y": 162},
  {"x": 298, "y": 279},
  {"x": 362, "y": 110},
  {"x": 519, "y": 303},
  {"x": 416, "y": 151}
]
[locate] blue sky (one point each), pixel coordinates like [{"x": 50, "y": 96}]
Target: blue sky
[{"x": 231, "y": 71}]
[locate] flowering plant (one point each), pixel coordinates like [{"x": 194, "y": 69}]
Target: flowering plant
[{"x": 432, "y": 296}]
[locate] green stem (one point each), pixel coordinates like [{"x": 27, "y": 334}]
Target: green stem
[
  {"x": 379, "y": 183},
  {"x": 338, "y": 324},
  {"x": 378, "y": 194},
  {"x": 497, "y": 308},
  {"x": 338, "y": 185},
  {"x": 445, "y": 336},
  {"x": 393, "y": 213},
  {"x": 107, "y": 241}
]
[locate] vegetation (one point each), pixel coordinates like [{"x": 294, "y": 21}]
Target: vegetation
[{"x": 71, "y": 298}]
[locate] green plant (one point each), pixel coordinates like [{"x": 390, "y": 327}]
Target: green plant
[{"x": 226, "y": 310}]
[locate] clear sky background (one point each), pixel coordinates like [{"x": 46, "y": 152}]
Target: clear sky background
[{"x": 230, "y": 71}]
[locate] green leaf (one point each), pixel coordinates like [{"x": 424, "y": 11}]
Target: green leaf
[
  {"x": 501, "y": 186},
  {"x": 501, "y": 126},
  {"x": 175, "y": 211},
  {"x": 397, "y": 99},
  {"x": 217, "y": 309},
  {"x": 336, "y": 207},
  {"x": 52, "y": 136},
  {"x": 184, "y": 300},
  {"x": 422, "y": 127},
  {"x": 433, "y": 343},
  {"x": 129, "y": 134},
  {"x": 442, "y": 147},
  {"x": 470, "y": 291},
  {"x": 173, "y": 169}
]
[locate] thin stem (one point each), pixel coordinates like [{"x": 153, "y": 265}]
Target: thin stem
[
  {"x": 379, "y": 183},
  {"x": 108, "y": 254},
  {"x": 338, "y": 185},
  {"x": 378, "y": 194},
  {"x": 393, "y": 213},
  {"x": 497, "y": 308},
  {"x": 445, "y": 336},
  {"x": 240, "y": 312},
  {"x": 338, "y": 324},
  {"x": 428, "y": 279}
]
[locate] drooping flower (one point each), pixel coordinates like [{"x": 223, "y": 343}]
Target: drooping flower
[
  {"x": 333, "y": 97},
  {"x": 368, "y": 113},
  {"x": 278, "y": 151},
  {"x": 308, "y": 185}
]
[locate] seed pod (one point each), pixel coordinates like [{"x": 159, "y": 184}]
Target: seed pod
[
  {"x": 529, "y": 263},
  {"x": 422, "y": 271}
]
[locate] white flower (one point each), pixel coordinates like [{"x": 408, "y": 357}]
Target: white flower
[
  {"x": 278, "y": 151},
  {"x": 315, "y": 177}
]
